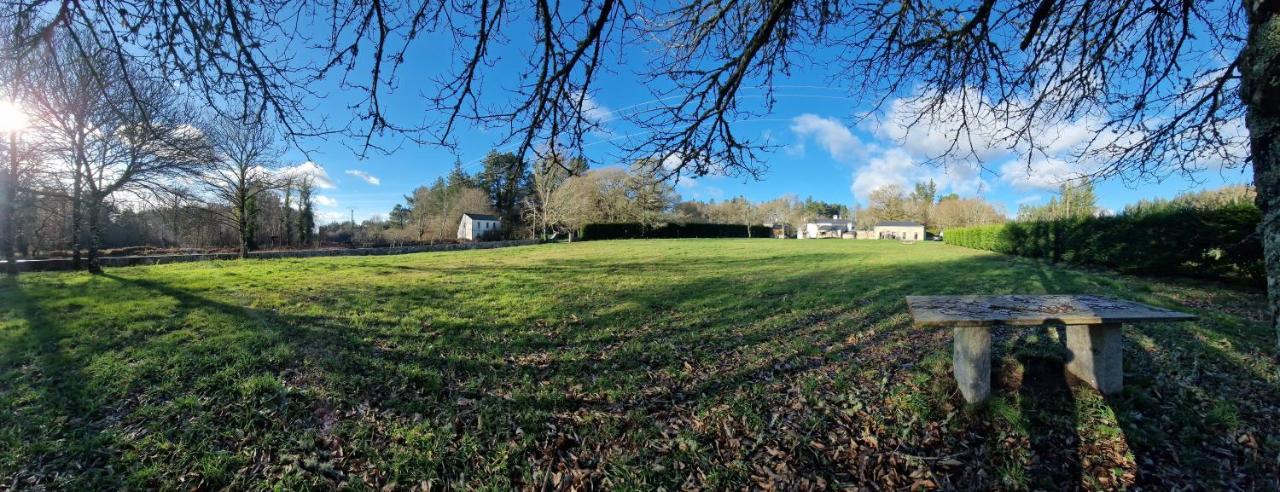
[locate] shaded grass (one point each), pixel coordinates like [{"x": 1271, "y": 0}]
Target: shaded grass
[{"x": 625, "y": 364}]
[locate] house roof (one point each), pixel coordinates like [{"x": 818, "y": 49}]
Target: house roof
[
  {"x": 481, "y": 217},
  {"x": 898, "y": 223},
  {"x": 828, "y": 220}
]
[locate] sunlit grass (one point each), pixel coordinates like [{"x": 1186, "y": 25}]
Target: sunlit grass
[{"x": 714, "y": 363}]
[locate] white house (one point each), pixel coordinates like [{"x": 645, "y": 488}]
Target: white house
[
  {"x": 477, "y": 226},
  {"x": 820, "y": 227},
  {"x": 899, "y": 229}
]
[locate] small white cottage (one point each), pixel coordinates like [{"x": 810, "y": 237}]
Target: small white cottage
[
  {"x": 478, "y": 226},
  {"x": 825, "y": 227},
  {"x": 900, "y": 229}
]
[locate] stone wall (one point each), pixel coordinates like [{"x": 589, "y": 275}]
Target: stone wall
[{"x": 63, "y": 264}]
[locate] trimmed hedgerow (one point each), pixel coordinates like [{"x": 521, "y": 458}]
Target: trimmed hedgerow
[
  {"x": 635, "y": 230},
  {"x": 1195, "y": 241},
  {"x": 987, "y": 237}
]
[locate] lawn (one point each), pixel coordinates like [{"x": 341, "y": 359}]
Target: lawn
[{"x": 614, "y": 364}]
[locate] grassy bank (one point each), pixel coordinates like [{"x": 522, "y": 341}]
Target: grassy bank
[{"x": 627, "y": 364}]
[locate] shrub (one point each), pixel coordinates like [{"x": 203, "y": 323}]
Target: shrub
[
  {"x": 635, "y": 230},
  {"x": 1217, "y": 241}
]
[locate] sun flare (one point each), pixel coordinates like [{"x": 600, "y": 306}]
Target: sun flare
[{"x": 12, "y": 117}]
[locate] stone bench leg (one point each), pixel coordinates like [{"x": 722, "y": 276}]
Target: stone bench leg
[
  {"x": 1096, "y": 356},
  {"x": 971, "y": 362}
]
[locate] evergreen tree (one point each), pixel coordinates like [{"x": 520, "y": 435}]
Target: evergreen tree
[
  {"x": 399, "y": 216},
  {"x": 287, "y": 213},
  {"x": 506, "y": 179},
  {"x": 922, "y": 199},
  {"x": 306, "y": 215},
  {"x": 251, "y": 223},
  {"x": 458, "y": 176}
]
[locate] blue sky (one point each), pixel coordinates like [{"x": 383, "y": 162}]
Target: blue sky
[{"x": 826, "y": 148}]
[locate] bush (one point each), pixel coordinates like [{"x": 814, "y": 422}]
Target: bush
[
  {"x": 1195, "y": 241},
  {"x": 635, "y": 230}
]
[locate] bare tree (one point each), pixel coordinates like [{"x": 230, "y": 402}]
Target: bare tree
[
  {"x": 244, "y": 169},
  {"x": 952, "y": 212},
  {"x": 67, "y": 105},
  {"x": 139, "y": 151},
  {"x": 547, "y": 181},
  {"x": 889, "y": 203},
  {"x": 15, "y": 155}
]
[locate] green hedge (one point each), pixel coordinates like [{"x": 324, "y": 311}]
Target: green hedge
[
  {"x": 1204, "y": 242},
  {"x": 635, "y": 230},
  {"x": 989, "y": 237}
]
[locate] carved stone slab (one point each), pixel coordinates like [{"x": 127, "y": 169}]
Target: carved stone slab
[{"x": 959, "y": 311}]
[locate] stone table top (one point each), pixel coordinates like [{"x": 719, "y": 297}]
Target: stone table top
[{"x": 974, "y": 310}]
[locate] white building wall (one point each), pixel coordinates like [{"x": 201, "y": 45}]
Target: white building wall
[
  {"x": 471, "y": 229},
  {"x": 464, "y": 228},
  {"x": 900, "y": 232}
]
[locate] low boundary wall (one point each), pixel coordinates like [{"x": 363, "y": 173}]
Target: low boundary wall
[{"x": 64, "y": 264}]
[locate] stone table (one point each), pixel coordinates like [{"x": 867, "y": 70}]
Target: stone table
[{"x": 1092, "y": 324}]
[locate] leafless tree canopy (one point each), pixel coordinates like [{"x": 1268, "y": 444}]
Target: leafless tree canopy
[{"x": 1155, "y": 80}]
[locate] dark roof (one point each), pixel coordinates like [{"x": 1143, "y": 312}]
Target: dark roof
[
  {"x": 481, "y": 216},
  {"x": 898, "y": 223},
  {"x": 819, "y": 220}
]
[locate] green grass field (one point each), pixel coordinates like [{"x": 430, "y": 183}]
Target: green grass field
[{"x": 618, "y": 364}]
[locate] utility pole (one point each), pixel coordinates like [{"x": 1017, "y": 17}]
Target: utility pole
[{"x": 353, "y": 227}]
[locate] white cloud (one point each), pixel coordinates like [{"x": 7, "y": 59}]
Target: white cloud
[
  {"x": 595, "y": 112},
  {"x": 972, "y": 136},
  {"x": 892, "y": 167},
  {"x": 368, "y": 178},
  {"x": 796, "y": 150},
  {"x": 959, "y": 126},
  {"x": 1029, "y": 199},
  {"x": 331, "y": 217},
  {"x": 597, "y": 115},
  {"x": 1042, "y": 174},
  {"x": 697, "y": 190},
  {"x": 686, "y": 164},
  {"x": 896, "y": 165},
  {"x": 833, "y": 135},
  {"x": 962, "y": 178},
  {"x": 317, "y": 173},
  {"x": 325, "y": 201}
]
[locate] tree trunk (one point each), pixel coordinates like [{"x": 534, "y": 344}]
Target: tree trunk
[
  {"x": 77, "y": 191},
  {"x": 1260, "y": 89},
  {"x": 10, "y": 196},
  {"x": 242, "y": 225},
  {"x": 287, "y": 234},
  {"x": 95, "y": 232}
]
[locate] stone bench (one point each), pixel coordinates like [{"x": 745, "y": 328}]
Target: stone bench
[{"x": 1092, "y": 325}]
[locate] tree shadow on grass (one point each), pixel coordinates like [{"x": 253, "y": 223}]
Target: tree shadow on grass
[
  {"x": 666, "y": 346},
  {"x": 58, "y": 406}
]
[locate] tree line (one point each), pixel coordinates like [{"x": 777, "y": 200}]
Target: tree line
[
  {"x": 556, "y": 196},
  {"x": 923, "y": 205},
  {"x": 102, "y": 154}
]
